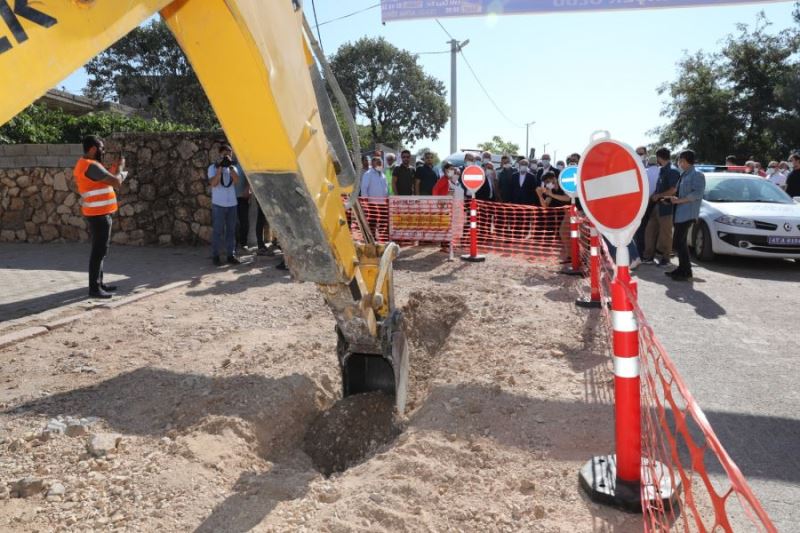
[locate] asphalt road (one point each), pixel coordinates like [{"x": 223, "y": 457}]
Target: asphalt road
[{"x": 734, "y": 335}]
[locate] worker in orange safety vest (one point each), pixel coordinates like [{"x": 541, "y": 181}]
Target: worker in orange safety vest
[{"x": 96, "y": 186}]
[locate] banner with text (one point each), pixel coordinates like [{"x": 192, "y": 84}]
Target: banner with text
[
  {"x": 414, "y": 9},
  {"x": 413, "y": 218}
]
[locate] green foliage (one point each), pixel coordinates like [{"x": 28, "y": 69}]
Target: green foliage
[
  {"x": 388, "y": 88},
  {"x": 39, "y": 125},
  {"x": 743, "y": 101},
  {"x": 148, "y": 66},
  {"x": 498, "y": 146}
]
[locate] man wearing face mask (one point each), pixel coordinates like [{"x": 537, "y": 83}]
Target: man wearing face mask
[
  {"x": 449, "y": 184},
  {"x": 98, "y": 201},
  {"x": 524, "y": 185},
  {"x": 504, "y": 179},
  {"x": 546, "y": 167},
  {"x": 488, "y": 190},
  {"x": 687, "y": 202}
]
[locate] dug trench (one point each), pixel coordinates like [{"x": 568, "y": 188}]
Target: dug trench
[
  {"x": 228, "y": 407},
  {"x": 357, "y": 427}
]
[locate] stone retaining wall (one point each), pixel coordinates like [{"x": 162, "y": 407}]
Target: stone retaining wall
[{"x": 165, "y": 199}]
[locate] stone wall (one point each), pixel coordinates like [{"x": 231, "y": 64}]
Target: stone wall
[{"x": 165, "y": 199}]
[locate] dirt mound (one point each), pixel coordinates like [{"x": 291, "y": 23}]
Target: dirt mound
[{"x": 351, "y": 431}]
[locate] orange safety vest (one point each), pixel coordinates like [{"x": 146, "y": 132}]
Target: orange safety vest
[{"x": 97, "y": 198}]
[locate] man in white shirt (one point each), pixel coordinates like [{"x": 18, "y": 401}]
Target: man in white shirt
[
  {"x": 774, "y": 175},
  {"x": 222, "y": 177}
]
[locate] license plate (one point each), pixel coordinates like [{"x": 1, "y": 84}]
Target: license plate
[{"x": 784, "y": 241}]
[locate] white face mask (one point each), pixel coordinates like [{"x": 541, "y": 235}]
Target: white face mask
[
  {"x": 771, "y": 171},
  {"x": 487, "y": 159},
  {"x": 560, "y": 167},
  {"x": 523, "y": 169},
  {"x": 379, "y": 168},
  {"x": 451, "y": 173},
  {"x": 550, "y": 186},
  {"x": 545, "y": 163},
  {"x": 507, "y": 165}
]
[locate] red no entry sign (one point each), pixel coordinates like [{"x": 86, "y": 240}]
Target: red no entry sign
[
  {"x": 613, "y": 189},
  {"x": 473, "y": 178}
]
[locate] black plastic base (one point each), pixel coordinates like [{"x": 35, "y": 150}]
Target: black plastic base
[
  {"x": 569, "y": 272},
  {"x": 598, "y": 478},
  {"x": 588, "y": 303},
  {"x": 473, "y": 258}
]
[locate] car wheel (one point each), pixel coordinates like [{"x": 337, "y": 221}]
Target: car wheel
[{"x": 701, "y": 243}]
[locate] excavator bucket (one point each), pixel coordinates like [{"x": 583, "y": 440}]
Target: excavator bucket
[{"x": 386, "y": 372}]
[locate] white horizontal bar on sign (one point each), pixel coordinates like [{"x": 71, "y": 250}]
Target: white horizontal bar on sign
[
  {"x": 612, "y": 185},
  {"x": 626, "y": 367}
]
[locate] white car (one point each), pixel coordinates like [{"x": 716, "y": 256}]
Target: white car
[{"x": 745, "y": 215}]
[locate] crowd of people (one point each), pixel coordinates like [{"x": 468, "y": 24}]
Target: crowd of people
[{"x": 676, "y": 191}]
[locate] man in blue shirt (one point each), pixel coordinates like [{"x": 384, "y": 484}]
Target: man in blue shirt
[
  {"x": 687, "y": 202},
  {"x": 658, "y": 232}
]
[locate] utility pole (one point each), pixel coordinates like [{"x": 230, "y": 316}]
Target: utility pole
[
  {"x": 544, "y": 151},
  {"x": 527, "y": 138},
  {"x": 455, "y": 48}
]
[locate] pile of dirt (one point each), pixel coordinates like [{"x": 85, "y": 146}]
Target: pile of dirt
[{"x": 351, "y": 431}]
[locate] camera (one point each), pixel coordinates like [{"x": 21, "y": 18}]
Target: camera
[{"x": 226, "y": 161}]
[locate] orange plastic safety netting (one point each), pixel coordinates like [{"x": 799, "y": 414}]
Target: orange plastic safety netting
[
  {"x": 534, "y": 233},
  {"x": 714, "y": 495}
]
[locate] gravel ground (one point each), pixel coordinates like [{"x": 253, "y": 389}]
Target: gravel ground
[{"x": 194, "y": 410}]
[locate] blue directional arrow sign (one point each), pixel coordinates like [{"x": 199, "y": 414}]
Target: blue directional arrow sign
[{"x": 568, "y": 179}]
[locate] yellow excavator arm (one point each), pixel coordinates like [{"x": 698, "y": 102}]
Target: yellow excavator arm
[{"x": 255, "y": 62}]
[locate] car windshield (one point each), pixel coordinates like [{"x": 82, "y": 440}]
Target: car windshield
[{"x": 731, "y": 189}]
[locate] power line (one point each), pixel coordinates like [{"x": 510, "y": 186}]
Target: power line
[
  {"x": 478, "y": 80},
  {"x": 431, "y": 53},
  {"x": 348, "y": 15},
  {"x": 445, "y": 30},
  {"x": 316, "y": 22}
]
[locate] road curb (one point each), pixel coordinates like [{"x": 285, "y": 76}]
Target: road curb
[
  {"x": 22, "y": 335},
  {"x": 34, "y": 331}
]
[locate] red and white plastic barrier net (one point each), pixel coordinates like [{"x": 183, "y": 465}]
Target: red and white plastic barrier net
[
  {"x": 714, "y": 495},
  {"x": 537, "y": 234}
]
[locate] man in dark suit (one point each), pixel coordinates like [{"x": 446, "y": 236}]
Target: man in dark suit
[
  {"x": 546, "y": 167},
  {"x": 523, "y": 186}
]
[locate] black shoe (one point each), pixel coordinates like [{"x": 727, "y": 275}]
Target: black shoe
[
  {"x": 681, "y": 277},
  {"x": 216, "y": 260},
  {"x": 282, "y": 266},
  {"x": 670, "y": 273},
  {"x": 108, "y": 288},
  {"x": 233, "y": 260},
  {"x": 99, "y": 293}
]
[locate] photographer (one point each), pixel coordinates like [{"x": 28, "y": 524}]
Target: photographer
[{"x": 223, "y": 177}]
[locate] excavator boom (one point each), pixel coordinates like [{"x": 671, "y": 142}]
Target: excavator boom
[{"x": 255, "y": 63}]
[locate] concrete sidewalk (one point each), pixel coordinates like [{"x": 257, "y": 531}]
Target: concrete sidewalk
[{"x": 40, "y": 277}]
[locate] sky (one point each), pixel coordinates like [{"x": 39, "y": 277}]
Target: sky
[{"x": 571, "y": 73}]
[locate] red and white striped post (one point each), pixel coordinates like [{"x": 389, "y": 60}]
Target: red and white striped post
[
  {"x": 473, "y": 233},
  {"x": 574, "y": 269},
  {"x": 627, "y": 406},
  {"x": 594, "y": 300}
]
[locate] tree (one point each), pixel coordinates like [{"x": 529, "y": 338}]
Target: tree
[
  {"x": 386, "y": 87},
  {"x": 421, "y": 154},
  {"x": 148, "y": 67},
  {"x": 498, "y": 146},
  {"x": 744, "y": 100}
]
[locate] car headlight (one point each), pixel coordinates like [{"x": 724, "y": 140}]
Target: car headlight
[{"x": 735, "y": 221}]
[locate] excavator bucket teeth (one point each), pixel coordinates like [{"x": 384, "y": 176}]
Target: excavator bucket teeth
[{"x": 386, "y": 372}]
